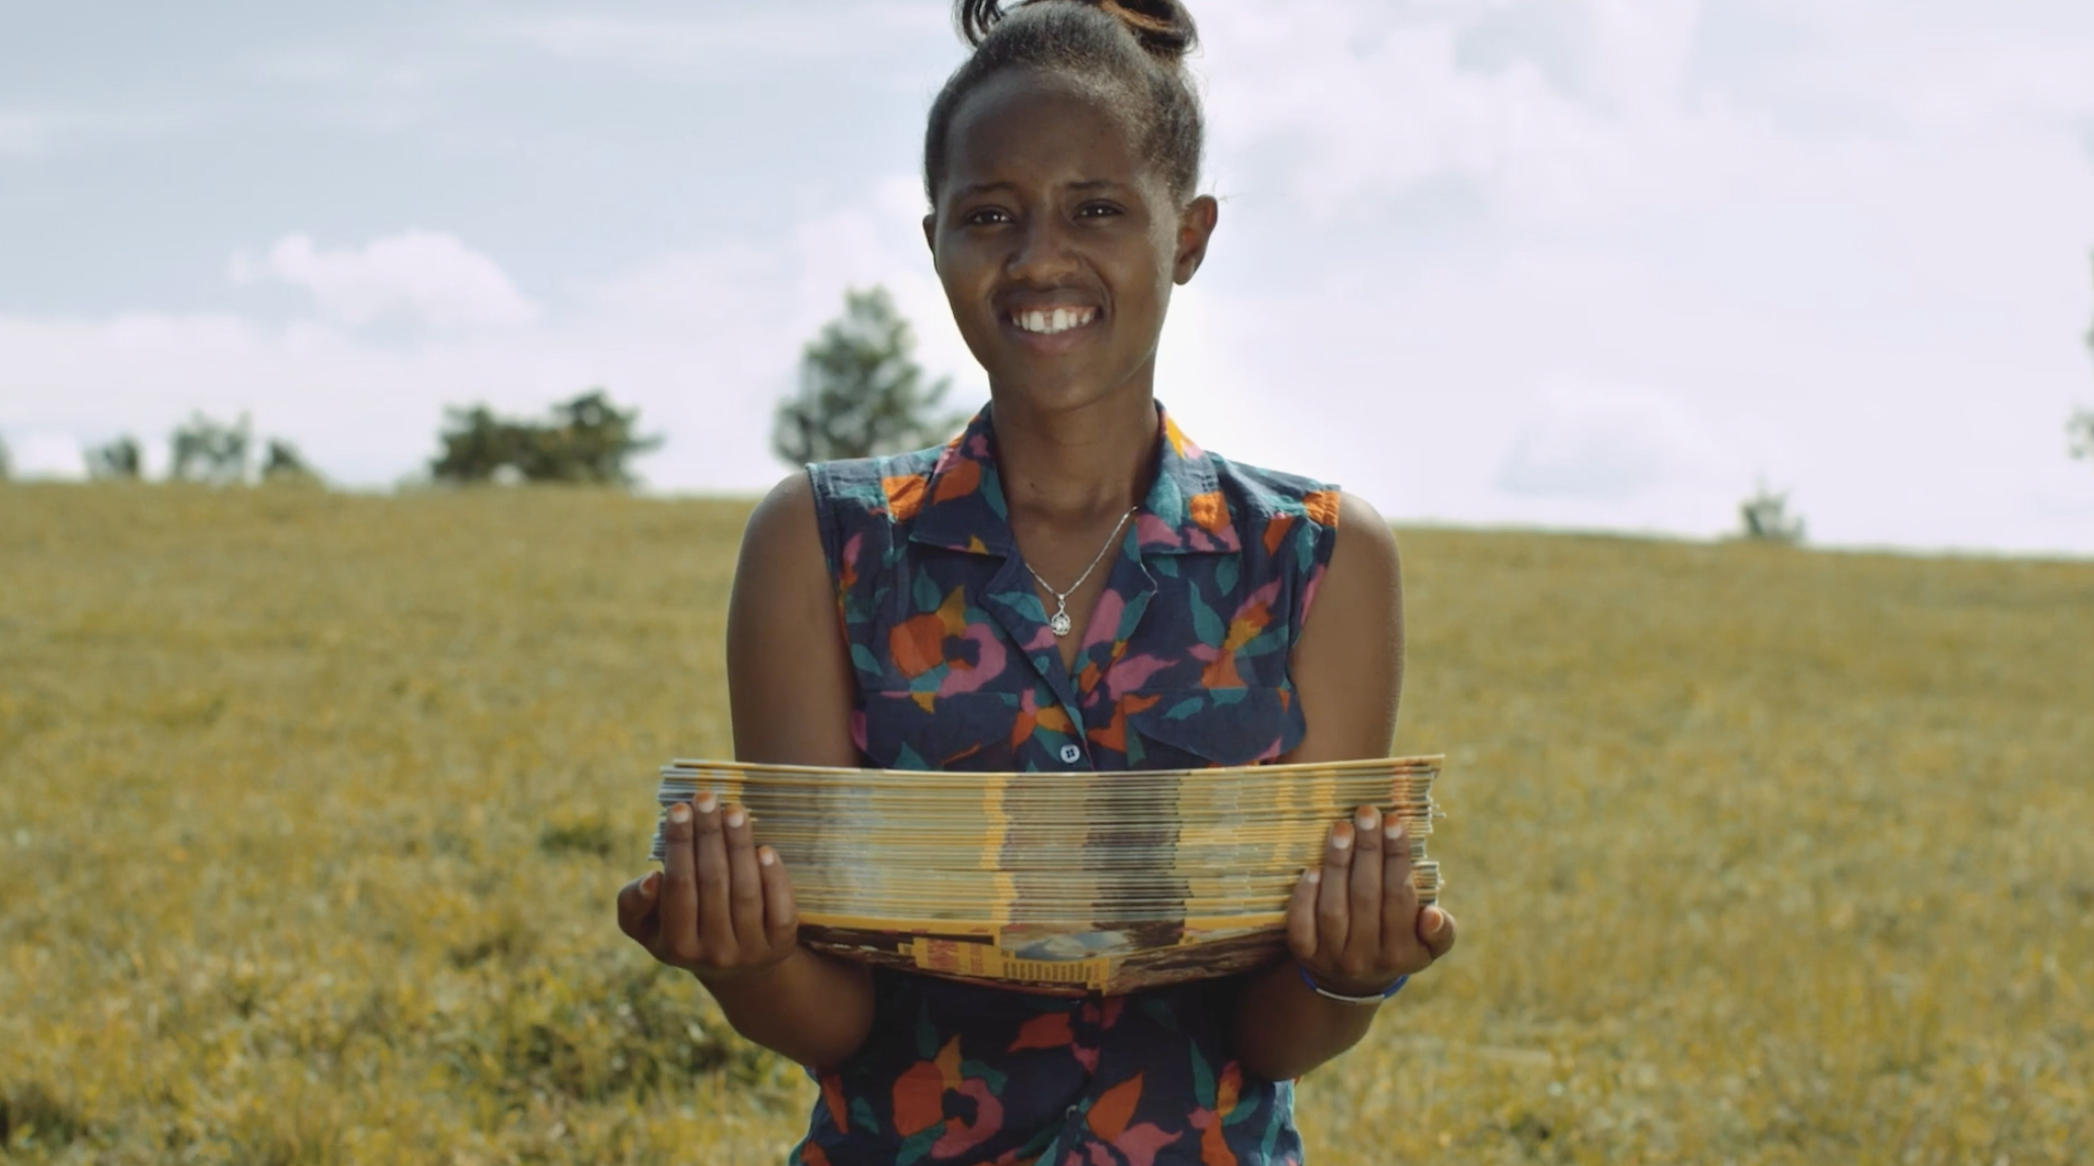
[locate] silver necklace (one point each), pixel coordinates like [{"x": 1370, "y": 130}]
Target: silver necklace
[{"x": 1059, "y": 622}]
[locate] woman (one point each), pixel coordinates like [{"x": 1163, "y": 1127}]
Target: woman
[{"x": 1071, "y": 584}]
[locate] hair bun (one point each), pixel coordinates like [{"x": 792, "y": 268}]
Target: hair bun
[{"x": 1163, "y": 27}]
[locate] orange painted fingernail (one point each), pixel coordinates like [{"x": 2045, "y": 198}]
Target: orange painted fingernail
[
  {"x": 766, "y": 855},
  {"x": 1436, "y": 921},
  {"x": 708, "y": 802},
  {"x": 679, "y": 813},
  {"x": 1312, "y": 876},
  {"x": 1341, "y": 837},
  {"x": 1367, "y": 817},
  {"x": 735, "y": 818}
]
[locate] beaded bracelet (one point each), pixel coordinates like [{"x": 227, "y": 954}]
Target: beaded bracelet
[{"x": 1327, "y": 994}]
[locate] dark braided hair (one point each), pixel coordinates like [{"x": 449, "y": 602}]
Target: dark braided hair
[{"x": 1129, "y": 51}]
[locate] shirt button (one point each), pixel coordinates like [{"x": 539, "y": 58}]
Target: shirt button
[{"x": 1071, "y": 755}]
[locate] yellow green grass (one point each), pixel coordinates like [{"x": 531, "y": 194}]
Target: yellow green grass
[{"x": 312, "y": 807}]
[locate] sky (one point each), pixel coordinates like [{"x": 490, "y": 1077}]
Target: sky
[{"x": 1586, "y": 264}]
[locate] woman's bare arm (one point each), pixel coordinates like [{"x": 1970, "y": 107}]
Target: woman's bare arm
[
  {"x": 723, "y": 906},
  {"x": 788, "y": 667},
  {"x": 1355, "y": 923}
]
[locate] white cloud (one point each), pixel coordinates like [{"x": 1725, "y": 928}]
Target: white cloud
[
  {"x": 1944, "y": 64},
  {"x": 704, "y": 343},
  {"x": 1610, "y": 446},
  {"x": 26, "y": 131},
  {"x": 47, "y": 455},
  {"x": 701, "y": 48},
  {"x": 366, "y": 413},
  {"x": 1354, "y": 110},
  {"x": 424, "y": 276},
  {"x": 1850, "y": 262},
  {"x": 1892, "y": 298}
]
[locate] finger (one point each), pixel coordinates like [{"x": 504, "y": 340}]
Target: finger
[
  {"x": 1301, "y": 915},
  {"x": 1399, "y": 902},
  {"x": 1363, "y": 942},
  {"x": 637, "y": 900},
  {"x": 781, "y": 914},
  {"x": 745, "y": 889},
  {"x": 1436, "y": 931},
  {"x": 1332, "y": 909},
  {"x": 715, "y": 915},
  {"x": 676, "y": 941}
]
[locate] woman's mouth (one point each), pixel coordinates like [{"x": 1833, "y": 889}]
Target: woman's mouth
[{"x": 1052, "y": 321}]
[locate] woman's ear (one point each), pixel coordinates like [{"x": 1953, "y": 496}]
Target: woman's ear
[
  {"x": 930, "y": 231},
  {"x": 1195, "y": 228}
]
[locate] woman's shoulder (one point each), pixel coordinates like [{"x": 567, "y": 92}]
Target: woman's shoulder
[
  {"x": 1261, "y": 494},
  {"x": 881, "y": 485}
]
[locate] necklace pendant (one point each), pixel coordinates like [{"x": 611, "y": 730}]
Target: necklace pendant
[{"x": 1060, "y": 623}]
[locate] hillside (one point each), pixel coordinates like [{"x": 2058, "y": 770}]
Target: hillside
[{"x": 312, "y": 806}]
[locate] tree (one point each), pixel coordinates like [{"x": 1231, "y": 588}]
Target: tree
[
  {"x": 211, "y": 451},
  {"x": 588, "y": 440},
  {"x": 120, "y": 459},
  {"x": 1765, "y": 517},
  {"x": 861, "y": 391},
  {"x": 283, "y": 463},
  {"x": 6, "y": 463},
  {"x": 476, "y": 444}
]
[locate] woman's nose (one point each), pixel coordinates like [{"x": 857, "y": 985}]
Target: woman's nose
[{"x": 1042, "y": 252}]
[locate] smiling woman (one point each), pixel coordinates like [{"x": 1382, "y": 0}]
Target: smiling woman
[{"x": 893, "y": 612}]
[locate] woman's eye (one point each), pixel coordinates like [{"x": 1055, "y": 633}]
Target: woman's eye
[
  {"x": 986, "y": 216},
  {"x": 1096, "y": 210}
]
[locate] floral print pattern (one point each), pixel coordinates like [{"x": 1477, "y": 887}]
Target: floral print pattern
[{"x": 1184, "y": 664}]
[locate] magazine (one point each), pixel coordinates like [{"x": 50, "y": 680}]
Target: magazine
[{"x": 1068, "y": 882}]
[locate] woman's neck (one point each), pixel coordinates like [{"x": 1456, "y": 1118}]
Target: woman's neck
[{"x": 1070, "y": 467}]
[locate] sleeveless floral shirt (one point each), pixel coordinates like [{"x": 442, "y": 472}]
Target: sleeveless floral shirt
[{"x": 1184, "y": 664}]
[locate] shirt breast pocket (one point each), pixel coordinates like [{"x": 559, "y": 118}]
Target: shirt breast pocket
[
  {"x": 1202, "y": 728},
  {"x": 965, "y": 731}
]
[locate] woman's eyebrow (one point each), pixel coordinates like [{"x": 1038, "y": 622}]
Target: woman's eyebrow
[{"x": 975, "y": 188}]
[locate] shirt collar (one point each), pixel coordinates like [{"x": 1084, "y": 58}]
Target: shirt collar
[{"x": 962, "y": 505}]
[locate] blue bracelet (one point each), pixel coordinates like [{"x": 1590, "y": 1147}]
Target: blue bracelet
[{"x": 1327, "y": 994}]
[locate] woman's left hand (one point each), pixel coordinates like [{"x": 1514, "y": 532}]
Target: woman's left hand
[{"x": 1355, "y": 924}]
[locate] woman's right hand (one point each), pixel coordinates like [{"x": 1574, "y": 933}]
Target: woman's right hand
[{"x": 722, "y": 907}]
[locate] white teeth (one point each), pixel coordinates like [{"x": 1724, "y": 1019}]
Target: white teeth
[{"x": 1047, "y": 323}]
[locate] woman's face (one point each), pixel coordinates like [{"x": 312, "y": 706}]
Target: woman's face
[{"x": 1058, "y": 242}]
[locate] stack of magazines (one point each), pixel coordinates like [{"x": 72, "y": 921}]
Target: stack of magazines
[{"x": 1066, "y": 882}]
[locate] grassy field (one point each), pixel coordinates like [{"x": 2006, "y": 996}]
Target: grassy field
[{"x": 312, "y": 806}]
